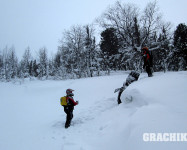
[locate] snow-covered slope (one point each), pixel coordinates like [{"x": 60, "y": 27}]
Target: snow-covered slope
[{"x": 31, "y": 117}]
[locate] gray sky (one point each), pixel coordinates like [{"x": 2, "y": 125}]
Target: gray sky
[{"x": 39, "y": 23}]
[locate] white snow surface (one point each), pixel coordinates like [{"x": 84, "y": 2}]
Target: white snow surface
[{"x": 31, "y": 117}]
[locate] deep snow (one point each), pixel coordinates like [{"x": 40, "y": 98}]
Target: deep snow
[{"x": 31, "y": 117}]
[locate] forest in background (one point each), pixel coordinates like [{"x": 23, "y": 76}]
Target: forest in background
[{"x": 125, "y": 30}]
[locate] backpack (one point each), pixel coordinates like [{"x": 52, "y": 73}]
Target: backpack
[{"x": 63, "y": 101}]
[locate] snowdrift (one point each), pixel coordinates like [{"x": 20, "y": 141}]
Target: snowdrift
[{"x": 32, "y": 118}]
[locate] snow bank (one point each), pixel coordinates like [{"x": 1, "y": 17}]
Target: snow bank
[
  {"x": 32, "y": 118},
  {"x": 160, "y": 106}
]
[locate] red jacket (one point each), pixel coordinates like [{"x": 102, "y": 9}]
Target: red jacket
[
  {"x": 71, "y": 101},
  {"x": 147, "y": 59}
]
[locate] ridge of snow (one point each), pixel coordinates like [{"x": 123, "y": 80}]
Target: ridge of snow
[{"x": 32, "y": 118}]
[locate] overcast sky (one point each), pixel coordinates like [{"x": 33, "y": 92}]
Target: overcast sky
[{"x": 39, "y": 23}]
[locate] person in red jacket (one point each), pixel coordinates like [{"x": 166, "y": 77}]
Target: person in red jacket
[
  {"x": 147, "y": 57},
  {"x": 68, "y": 109}
]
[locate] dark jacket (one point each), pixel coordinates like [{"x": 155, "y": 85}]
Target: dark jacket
[{"x": 133, "y": 76}]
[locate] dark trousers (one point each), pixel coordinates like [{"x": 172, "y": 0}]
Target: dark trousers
[
  {"x": 69, "y": 112},
  {"x": 149, "y": 71},
  {"x": 119, "y": 96}
]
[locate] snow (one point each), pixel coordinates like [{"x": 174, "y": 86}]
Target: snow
[{"x": 31, "y": 116}]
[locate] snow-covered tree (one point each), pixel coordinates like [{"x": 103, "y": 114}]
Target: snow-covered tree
[
  {"x": 90, "y": 51},
  {"x": 178, "y": 56},
  {"x": 8, "y": 64},
  {"x": 122, "y": 18},
  {"x": 76, "y": 56},
  {"x": 43, "y": 63},
  {"x": 25, "y": 63},
  {"x": 151, "y": 20},
  {"x": 109, "y": 46}
]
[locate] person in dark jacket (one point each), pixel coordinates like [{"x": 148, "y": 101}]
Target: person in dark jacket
[
  {"x": 68, "y": 109},
  {"x": 133, "y": 76},
  {"x": 147, "y": 61}
]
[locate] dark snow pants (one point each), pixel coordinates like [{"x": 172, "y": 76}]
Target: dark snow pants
[
  {"x": 119, "y": 96},
  {"x": 69, "y": 112},
  {"x": 149, "y": 71}
]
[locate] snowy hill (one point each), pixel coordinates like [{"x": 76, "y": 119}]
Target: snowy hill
[{"x": 31, "y": 117}]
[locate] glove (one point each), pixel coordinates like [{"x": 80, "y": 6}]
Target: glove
[{"x": 77, "y": 102}]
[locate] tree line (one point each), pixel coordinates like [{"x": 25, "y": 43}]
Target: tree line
[{"x": 125, "y": 30}]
